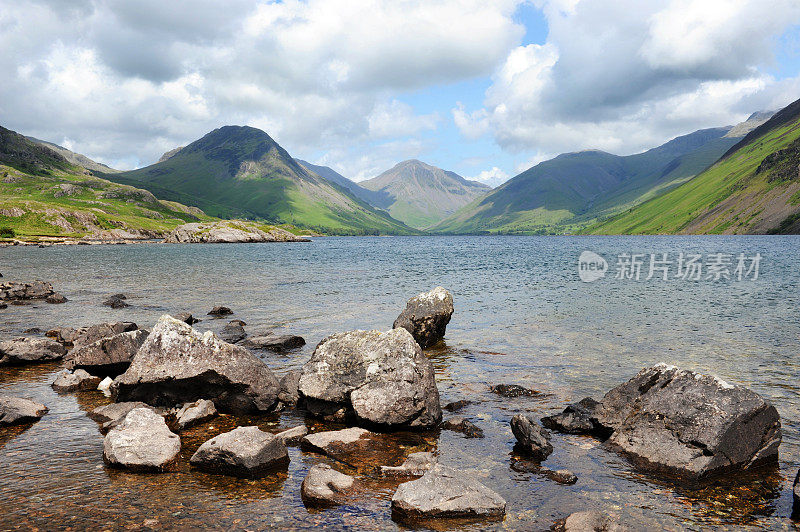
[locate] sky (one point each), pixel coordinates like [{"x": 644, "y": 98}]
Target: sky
[{"x": 483, "y": 88}]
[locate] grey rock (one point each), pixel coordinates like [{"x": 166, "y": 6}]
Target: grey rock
[
  {"x": 383, "y": 377},
  {"x": 446, "y": 492},
  {"x": 330, "y": 440},
  {"x": 289, "y": 393},
  {"x": 109, "y": 356},
  {"x": 228, "y": 231},
  {"x": 56, "y": 299},
  {"x": 274, "y": 342},
  {"x": 186, "y": 318},
  {"x": 63, "y": 335},
  {"x": 116, "y": 301},
  {"x": 293, "y": 435},
  {"x": 30, "y": 350},
  {"x": 194, "y": 413},
  {"x": 562, "y": 476},
  {"x": 141, "y": 442},
  {"x": 512, "y": 391},
  {"x": 233, "y": 333},
  {"x": 455, "y": 406},
  {"x": 591, "y": 521},
  {"x": 415, "y": 465},
  {"x": 531, "y": 438},
  {"x": 93, "y": 333},
  {"x": 464, "y": 426},
  {"x": 242, "y": 452},
  {"x": 324, "y": 486},
  {"x": 67, "y": 381},
  {"x": 578, "y": 418},
  {"x": 220, "y": 311},
  {"x": 177, "y": 364},
  {"x": 115, "y": 411},
  {"x": 16, "y": 410},
  {"x": 13, "y": 290},
  {"x": 426, "y": 316}
]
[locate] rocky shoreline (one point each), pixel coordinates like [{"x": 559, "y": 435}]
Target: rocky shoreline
[{"x": 674, "y": 425}]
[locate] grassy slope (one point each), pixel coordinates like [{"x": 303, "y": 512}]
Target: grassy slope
[{"x": 729, "y": 180}]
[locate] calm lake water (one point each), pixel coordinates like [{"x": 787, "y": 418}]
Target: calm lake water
[{"x": 522, "y": 316}]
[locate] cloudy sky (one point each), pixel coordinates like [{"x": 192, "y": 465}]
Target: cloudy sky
[{"x": 484, "y": 88}]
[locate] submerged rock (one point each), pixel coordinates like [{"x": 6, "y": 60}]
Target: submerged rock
[
  {"x": 242, "y": 452},
  {"x": 116, "y": 301},
  {"x": 274, "y": 342},
  {"x": 360, "y": 448},
  {"x": 195, "y": 413},
  {"x": 417, "y": 464},
  {"x": 177, "y": 364},
  {"x": 16, "y": 410},
  {"x": 531, "y": 438},
  {"x": 141, "y": 442},
  {"x": 220, "y": 311},
  {"x": 464, "y": 426},
  {"x": 591, "y": 521},
  {"x": 446, "y": 492},
  {"x": 577, "y": 418},
  {"x": 30, "y": 350},
  {"x": 18, "y": 291},
  {"x": 325, "y": 486},
  {"x": 512, "y": 391},
  {"x": 233, "y": 332},
  {"x": 68, "y": 381},
  {"x": 426, "y": 316},
  {"x": 109, "y": 356},
  {"x": 384, "y": 378}
]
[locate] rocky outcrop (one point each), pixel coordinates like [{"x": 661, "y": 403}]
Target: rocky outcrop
[
  {"x": 17, "y": 291},
  {"x": 416, "y": 465},
  {"x": 195, "y": 413},
  {"x": 324, "y": 486},
  {"x": 446, "y": 492},
  {"x": 381, "y": 377},
  {"x": 242, "y": 452},
  {"x": 531, "y": 438},
  {"x": 228, "y": 232},
  {"x": 683, "y": 424},
  {"x": 27, "y": 350},
  {"x": 177, "y": 364},
  {"x": 141, "y": 442},
  {"x": 16, "y": 410},
  {"x": 426, "y": 316},
  {"x": 108, "y": 356},
  {"x": 68, "y": 381},
  {"x": 274, "y": 342}
]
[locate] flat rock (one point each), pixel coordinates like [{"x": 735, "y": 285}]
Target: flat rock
[
  {"x": 446, "y": 492},
  {"x": 141, "y": 442},
  {"x": 293, "y": 435},
  {"x": 233, "y": 333},
  {"x": 194, "y": 413},
  {"x": 177, "y": 365},
  {"x": 16, "y": 410},
  {"x": 383, "y": 377},
  {"x": 14, "y": 290},
  {"x": 115, "y": 411},
  {"x": 109, "y": 356},
  {"x": 325, "y": 486},
  {"x": 88, "y": 335},
  {"x": 464, "y": 426},
  {"x": 531, "y": 438},
  {"x": 417, "y": 464},
  {"x": 69, "y": 381},
  {"x": 30, "y": 350},
  {"x": 426, "y": 316},
  {"x": 242, "y": 452},
  {"x": 362, "y": 449},
  {"x": 274, "y": 342}
]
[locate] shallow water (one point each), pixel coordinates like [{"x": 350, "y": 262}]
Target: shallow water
[{"x": 522, "y": 316}]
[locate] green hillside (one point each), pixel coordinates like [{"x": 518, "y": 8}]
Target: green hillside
[{"x": 753, "y": 188}]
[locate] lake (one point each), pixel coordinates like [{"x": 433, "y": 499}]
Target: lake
[{"x": 523, "y": 316}]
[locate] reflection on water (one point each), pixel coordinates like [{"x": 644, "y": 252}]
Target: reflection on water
[{"x": 522, "y": 317}]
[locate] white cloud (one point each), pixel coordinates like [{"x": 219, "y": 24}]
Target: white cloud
[{"x": 492, "y": 177}]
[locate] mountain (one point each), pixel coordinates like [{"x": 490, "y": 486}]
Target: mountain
[
  {"x": 74, "y": 158},
  {"x": 237, "y": 171},
  {"x": 755, "y": 120},
  {"x": 370, "y": 196},
  {"x": 574, "y": 189},
  {"x": 753, "y": 188},
  {"x": 422, "y": 195},
  {"x": 43, "y": 194},
  {"x": 169, "y": 154}
]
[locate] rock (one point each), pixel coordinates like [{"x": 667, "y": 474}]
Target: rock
[
  {"x": 220, "y": 311},
  {"x": 194, "y": 413},
  {"x": 233, "y": 333},
  {"x": 186, "y": 318},
  {"x": 141, "y": 442},
  {"x": 289, "y": 383},
  {"x": 242, "y": 452},
  {"x": 105, "y": 386},
  {"x": 446, "y": 492},
  {"x": 177, "y": 364},
  {"x": 426, "y": 316},
  {"x": 324, "y": 486},
  {"x": 11, "y": 291},
  {"x": 63, "y": 335},
  {"x": 32, "y": 330},
  {"x": 224, "y": 232},
  {"x": 417, "y": 464},
  {"x": 67, "y": 381},
  {"x": 274, "y": 342},
  {"x": 116, "y": 301},
  {"x": 88, "y": 335},
  {"x": 466, "y": 427},
  {"x": 3, "y": 305},
  {"x": 30, "y": 350},
  {"x": 512, "y": 390},
  {"x": 591, "y": 521},
  {"x": 56, "y": 299},
  {"x": 562, "y": 476},
  {"x": 383, "y": 377},
  {"x": 361, "y": 449},
  {"x": 577, "y": 418},
  {"x": 796, "y": 497},
  {"x": 531, "y": 438},
  {"x": 115, "y": 411},
  {"x": 109, "y": 356},
  {"x": 455, "y": 406},
  {"x": 293, "y": 435},
  {"x": 16, "y": 410}
]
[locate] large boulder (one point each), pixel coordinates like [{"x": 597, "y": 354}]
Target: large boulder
[
  {"x": 18, "y": 291},
  {"x": 177, "y": 365},
  {"x": 228, "y": 232},
  {"x": 109, "y": 356},
  {"x": 426, "y": 316},
  {"x": 141, "y": 442},
  {"x": 243, "y": 452},
  {"x": 16, "y": 410},
  {"x": 382, "y": 377},
  {"x": 30, "y": 350},
  {"x": 531, "y": 438},
  {"x": 685, "y": 424},
  {"x": 446, "y": 492},
  {"x": 324, "y": 486}
]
